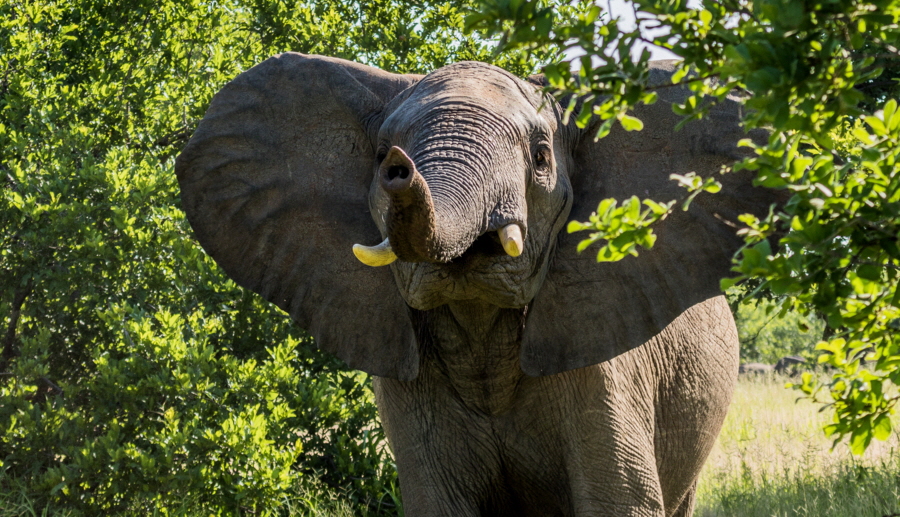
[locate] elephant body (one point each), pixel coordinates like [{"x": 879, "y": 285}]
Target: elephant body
[
  {"x": 790, "y": 364},
  {"x": 756, "y": 368},
  {"x": 626, "y": 437},
  {"x": 514, "y": 376}
]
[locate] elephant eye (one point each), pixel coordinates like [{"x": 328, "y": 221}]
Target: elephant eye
[
  {"x": 542, "y": 158},
  {"x": 381, "y": 156}
]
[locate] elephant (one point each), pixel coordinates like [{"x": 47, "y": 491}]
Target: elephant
[
  {"x": 790, "y": 364},
  {"x": 413, "y": 225},
  {"x": 756, "y": 368}
]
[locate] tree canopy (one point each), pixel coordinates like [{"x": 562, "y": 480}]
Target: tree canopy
[{"x": 820, "y": 77}]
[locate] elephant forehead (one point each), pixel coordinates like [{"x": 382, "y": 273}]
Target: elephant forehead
[
  {"x": 469, "y": 92},
  {"x": 486, "y": 83}
]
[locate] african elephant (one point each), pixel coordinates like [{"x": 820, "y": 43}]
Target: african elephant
[
  {"x": 790, "y": 365},
  {"x": 756, "y": 368},
  {"x": 513, "y": 375}
]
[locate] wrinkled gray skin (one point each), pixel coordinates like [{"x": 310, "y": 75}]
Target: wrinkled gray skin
[{"x": 543, "y": 384}]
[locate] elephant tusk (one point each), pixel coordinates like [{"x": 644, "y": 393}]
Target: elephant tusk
[
  {"x": 511, "y": 239},
  {"x": 375, "y": 256}
]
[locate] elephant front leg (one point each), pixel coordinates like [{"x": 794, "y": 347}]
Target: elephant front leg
[
  {"x": 620, "y": 481},
  {"x": 612, "y": 469},
  {"x": 445, "y": 456},
  {"x": 599, "y": 424},
  {"x": 686, "y": 508}
]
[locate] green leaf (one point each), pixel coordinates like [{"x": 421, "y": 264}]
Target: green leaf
[
  {"x": 630, "y": 123},
  {"x": 604, "y": 129},
  {"x": 680, "y": 73},
  {"x": 860, "y": 440},
  {"x": 877, "y": 125},
  {"x": 869, "y": 272},
  {"x": 727, "y": 283},
  {"x": 891, "y": 115},
  {"x": 584, "y": 116},
  {"x": 657, "y": 208},
  {"x": 608, "y": 254},
  {"x": 633, "y": 205},
  {"x": 575, "y": 226},
  {"x": 882, "y": 428}
]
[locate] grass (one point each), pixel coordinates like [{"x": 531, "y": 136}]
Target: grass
[{"x": 772, "y": 460}]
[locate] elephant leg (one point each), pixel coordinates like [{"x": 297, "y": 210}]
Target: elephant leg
[
  {"x": 594, "y": 432},
  {"x": 445, "y": 456},
  {"x": 686, "y": 508},
  {"x": 694, "y": 398},
  {"x": 644, "y": 422},
  {"x": 612, "y": 466},
  {"x": 619, "y": 482}
]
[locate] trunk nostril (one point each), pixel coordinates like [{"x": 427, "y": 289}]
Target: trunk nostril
[
  {"x": 397, "y": 171},
  {"x": 396, "y": 178}
]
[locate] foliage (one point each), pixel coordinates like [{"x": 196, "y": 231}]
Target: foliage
[
  {"x": 624, "y": 228},
  {"x": 133, "y": 374},
  {"x": 766, "y": 335},
  {"x": 807, "y": 68}
]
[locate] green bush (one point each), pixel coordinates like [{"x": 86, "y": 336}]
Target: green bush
[
  {"x": 166, "y": 418},
  {"x": 766, "y": 335}
]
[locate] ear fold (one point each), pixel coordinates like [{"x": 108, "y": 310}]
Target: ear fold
[
  {"x": 589, "y": 312},
  {"x": 275, "y": 183}
]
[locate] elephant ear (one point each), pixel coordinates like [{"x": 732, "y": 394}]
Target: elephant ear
[
  {"x": 589, "y": 312},
  {"x": 275, "y": 183}
]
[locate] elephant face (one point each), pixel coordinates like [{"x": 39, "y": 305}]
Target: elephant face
[
  {"x": 468, "y": 180},
  {"x": 485, "y": 156}
]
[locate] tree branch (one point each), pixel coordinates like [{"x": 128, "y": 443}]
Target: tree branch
[{"x": 19, "y": 297}]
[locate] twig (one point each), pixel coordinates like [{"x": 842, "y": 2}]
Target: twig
[
  {"x": 179, "y": 135},
  {"x": 9, "y": 341},
  {"x": 54, "y": 389},
  {"x": 681, "y": 83}
]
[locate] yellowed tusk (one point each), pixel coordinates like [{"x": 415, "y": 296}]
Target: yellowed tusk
[
  {"x": 375, "y": 256},
  {"x": 511, "y": 239}
]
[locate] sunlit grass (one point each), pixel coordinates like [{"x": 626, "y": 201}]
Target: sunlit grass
[{"x": 772, "y": 459}]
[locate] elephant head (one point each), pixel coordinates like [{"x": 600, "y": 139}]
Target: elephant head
[
  {"x": 466, "y": 177},
  {"x": 467, "y": 190}
]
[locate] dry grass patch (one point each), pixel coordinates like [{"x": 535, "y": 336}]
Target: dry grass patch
[{"x": 773, "y": 460}]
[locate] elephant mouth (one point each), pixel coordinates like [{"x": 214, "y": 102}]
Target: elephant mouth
[
  {"x": 485, "y": 271},
  {"x": 486, "y": 246}
]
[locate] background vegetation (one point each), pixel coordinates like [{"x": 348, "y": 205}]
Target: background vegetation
[
  {"x": 766, "y": 337},
  {"x": 772, "y": 460}
]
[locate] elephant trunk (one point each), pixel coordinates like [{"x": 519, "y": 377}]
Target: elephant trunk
[
  {"x": 422, "y": 225},
  {"x": 438, "y": 222}
]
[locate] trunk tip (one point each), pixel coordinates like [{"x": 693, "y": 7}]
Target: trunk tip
[{"x": 396, "y": 171}]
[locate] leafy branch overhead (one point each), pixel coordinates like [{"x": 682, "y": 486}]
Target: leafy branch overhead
[
  {"x": 820, "y": 77},
  {"x": 623, "y": 228}
]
